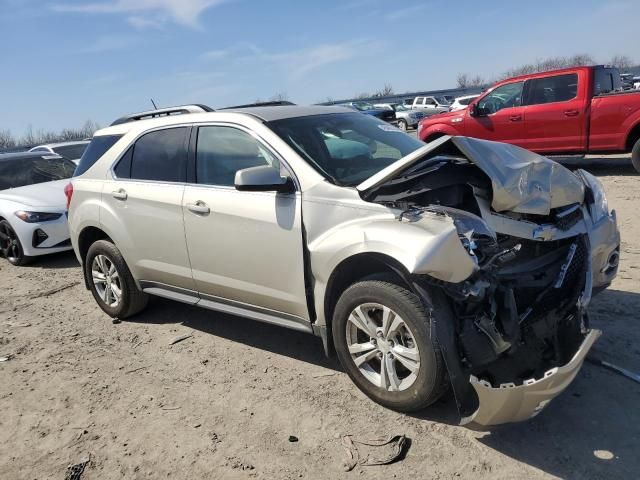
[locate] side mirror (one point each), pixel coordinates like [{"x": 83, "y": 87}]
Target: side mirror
[
  {"x": 263, "y": 179},
  {"x": 474, "y": 110}
]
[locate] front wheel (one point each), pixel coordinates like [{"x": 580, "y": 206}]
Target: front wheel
[
  {"x": 635, "y": 156},
  {"x": 10, "y": 245},
  {"x": 382, "y": 336},
  {"x": 111, "y": 282},
  {"x": 402, "y": 125}
]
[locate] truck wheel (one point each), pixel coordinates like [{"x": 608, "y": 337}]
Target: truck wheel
[
  {"x": 111, "y": 282},
  {"x": 382, "y": 336},
  {"x": 635, "y": 156},
  {"x": 402, "y": 125}
]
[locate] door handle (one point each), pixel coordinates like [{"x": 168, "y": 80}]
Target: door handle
[
  {"x": 515, "y": 118},
  {"x": 571, "y": 113},
  {"x": 199, "y": 207},
  {"x": 119, "y": 194}
]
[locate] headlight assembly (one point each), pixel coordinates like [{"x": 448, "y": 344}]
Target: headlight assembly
[
  {"x": 598, "y": 205},
  {"x": 36, "y": 217}
]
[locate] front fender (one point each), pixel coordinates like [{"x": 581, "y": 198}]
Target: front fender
[{"x": 438, "y": 129}]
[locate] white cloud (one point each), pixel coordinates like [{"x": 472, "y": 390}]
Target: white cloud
[
  {"x": 408, "y": 12},
  {"x": 297, "y": 63},
  {"x": 108, "y": 44},
  {"x": 141, "y": 22},
  {"x": 184, "y": 12}
]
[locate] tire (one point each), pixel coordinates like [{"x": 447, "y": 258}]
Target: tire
[
  {"x": 635, "y": 156},
  {"x": 103, "y": 256},
  {"x": 402, "y": 125},
  {"x": 416, "y": 389},
  {"x": 10, "y": 245}
]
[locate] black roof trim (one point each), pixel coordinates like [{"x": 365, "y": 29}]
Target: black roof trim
[
  {"x": 278, "y": 103},
  {"x": 163, "y": 112}
]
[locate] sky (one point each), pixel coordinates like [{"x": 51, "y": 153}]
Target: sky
[{"x": 63, "y": 62}]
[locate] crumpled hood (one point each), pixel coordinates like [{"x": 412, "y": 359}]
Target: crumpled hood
[
  {"x": 47, "y": 194},
  {"x": 522, "y": 181}
]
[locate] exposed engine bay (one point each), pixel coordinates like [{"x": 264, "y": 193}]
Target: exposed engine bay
[{"x": 523, "y": 310}]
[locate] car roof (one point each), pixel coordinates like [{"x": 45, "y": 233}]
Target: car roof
[
  {"x": 17, "y": 155},
  {"x": 264, "y": 114}
]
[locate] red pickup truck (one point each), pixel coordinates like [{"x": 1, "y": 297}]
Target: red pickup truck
[{"x": 572, "y": 111}]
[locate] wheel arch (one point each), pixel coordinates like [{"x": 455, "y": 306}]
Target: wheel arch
[
  {"x": 351, "y": 270},
  {"x": 632, "y": 137}
]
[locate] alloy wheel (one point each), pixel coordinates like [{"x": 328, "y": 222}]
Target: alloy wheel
[
  {"x": 9, "y": 243},
  {"x": 106, "y": 280},
  {"x": 383, "y": 347}
]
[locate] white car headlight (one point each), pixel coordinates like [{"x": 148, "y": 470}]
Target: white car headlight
[
  {"x": 37, "y": 217},
  {"x": 599, "y": 208}
]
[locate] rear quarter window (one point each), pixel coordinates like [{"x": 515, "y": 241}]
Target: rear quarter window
[{"x": 96, "y": 149}]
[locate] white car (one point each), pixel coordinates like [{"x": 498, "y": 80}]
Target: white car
[
  {"x": 33, "y": 208},
  {"x": 461, "y": 103},
  {"x": 70, "y": 150}
]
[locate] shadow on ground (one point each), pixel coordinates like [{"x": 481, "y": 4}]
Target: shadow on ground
[
  {"x": 54, "y": 260},
  {"x": 591, "y": 431}
]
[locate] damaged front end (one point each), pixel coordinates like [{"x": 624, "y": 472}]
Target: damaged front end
[{"x": 521, "y": 329}]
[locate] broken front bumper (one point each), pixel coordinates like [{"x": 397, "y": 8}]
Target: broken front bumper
[{"x": 510, "y": 403}]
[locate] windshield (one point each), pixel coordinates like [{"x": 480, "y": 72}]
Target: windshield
[
  {"x": 346, "y": 148},
  {"x": 400, "y": 108},
  {"x": 21, "y": 171},
  {"x": 363, "y": 106},
  {"x": 72, "y": 152},
  {"x": 442, "y": 100}
]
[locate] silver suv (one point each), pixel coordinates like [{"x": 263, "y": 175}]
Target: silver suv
[{"x": 461, "y": 263}]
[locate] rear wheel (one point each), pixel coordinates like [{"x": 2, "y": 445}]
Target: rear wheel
[
  {"x": 10, "y": 245},
  {"x": 382, "y": 336},
  {"x": 635, "y": 156},
  {"x": 111, "y": 282}
]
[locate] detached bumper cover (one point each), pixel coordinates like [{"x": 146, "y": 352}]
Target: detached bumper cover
[{"x": 509, "y": 403}]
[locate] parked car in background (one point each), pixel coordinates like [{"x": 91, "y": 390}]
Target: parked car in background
[
  {"x": 33, "y": 209},
  {"x": 449, "y": 98},
  {"x": 571, "y": 111},
  {"x": 430, "y": 105},
  {"x": 407, "y": 259},
  {"x": 369, "y": 109},
  {"x": 636, "y": 83},
  {"x": 405, "y": 117},
  {"x": 461, "y": 103},
  {"x": 70, "y": 150}
]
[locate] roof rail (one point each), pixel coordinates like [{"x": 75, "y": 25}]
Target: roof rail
[
  {"x": 163, "y": 112},
  {"x": 277, "y": 103}
]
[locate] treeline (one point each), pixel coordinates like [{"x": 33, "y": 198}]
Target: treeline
[
  {"x": 464, "y": 80},
  {"x": 32, "y": 138}
]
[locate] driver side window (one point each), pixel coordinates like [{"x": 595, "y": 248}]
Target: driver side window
[
  {"x": 222, "y": 151},
  {"x": 506, "y": 96}
]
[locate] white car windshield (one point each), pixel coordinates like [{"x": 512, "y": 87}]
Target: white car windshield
[{"x": 346, "y": 148}]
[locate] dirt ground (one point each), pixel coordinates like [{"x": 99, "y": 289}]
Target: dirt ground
[{"x": 223, "y": 403}]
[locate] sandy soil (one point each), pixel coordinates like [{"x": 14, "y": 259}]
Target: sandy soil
[{"x": 223, "y": 403}]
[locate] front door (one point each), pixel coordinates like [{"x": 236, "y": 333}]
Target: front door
[
  {"x": 500, "y": 116},
  {"x": 244, "y": 247}
]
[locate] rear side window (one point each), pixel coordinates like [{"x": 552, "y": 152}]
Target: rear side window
[
  {"x": 465, "y": 101},
  {"x": 606, "y": 80},
  {"x": 160, "y": 156},
  {"x": 558, "y": 88},
  {"x": 98, "y": 147}
]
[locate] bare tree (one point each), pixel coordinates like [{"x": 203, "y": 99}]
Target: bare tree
[
  {"x": 462, "y": 80},
  {"x": 280, "y": 97},
  {"x": 465, "y": 81},
  {"x": 363, "y": 95},
  {"x": 385, "y": 91},
  {"x": 6, "y": 139},
  {"x": 551, "y": 63},
  {"x": 621, "y": 62}
]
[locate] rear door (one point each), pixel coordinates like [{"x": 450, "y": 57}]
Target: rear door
[
  {"x": 143, "y": 207},
  {"x": 245, "y": 247},
  {"x": 555, "y": 112},
  {"x": 500, "y": 115}
]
